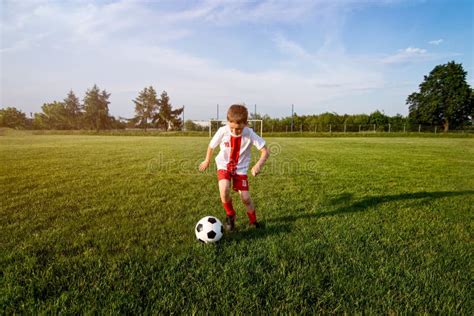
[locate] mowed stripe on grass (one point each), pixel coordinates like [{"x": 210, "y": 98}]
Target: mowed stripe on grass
[{"x": 105, "y": 223}]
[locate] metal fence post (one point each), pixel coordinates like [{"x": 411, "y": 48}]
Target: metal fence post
[
  {"x": 419, "y": 128},
  {"x": 389, "y": 127},
  {"x": 330, "y": 128}
]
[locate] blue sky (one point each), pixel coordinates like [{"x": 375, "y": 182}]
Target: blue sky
[{"x": 346, "y": 56}]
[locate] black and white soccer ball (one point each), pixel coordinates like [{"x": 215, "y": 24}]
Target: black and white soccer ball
[{"x": 209, "y": 229}]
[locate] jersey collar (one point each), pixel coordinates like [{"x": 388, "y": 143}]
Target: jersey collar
[{"x": 232, "y": 134}]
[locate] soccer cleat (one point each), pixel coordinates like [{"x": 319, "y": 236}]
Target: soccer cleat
[
  {"x": 257, "y": 225},
  {"x": 230, "y": 223}
]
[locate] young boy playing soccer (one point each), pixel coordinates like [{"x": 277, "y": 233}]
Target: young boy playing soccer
[{"x": 236, "y": 140}]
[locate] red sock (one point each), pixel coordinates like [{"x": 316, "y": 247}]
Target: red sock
[
  {"x": 229, "y": 208},
  {"x": 252, "y": 217}
]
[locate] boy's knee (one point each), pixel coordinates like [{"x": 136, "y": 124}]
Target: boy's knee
[
  {"x": 225, "y": 197},
  {"x": 246, "y": 199}
]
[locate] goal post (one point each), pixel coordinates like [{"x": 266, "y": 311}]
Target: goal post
[{"x": 222, "y": 122}]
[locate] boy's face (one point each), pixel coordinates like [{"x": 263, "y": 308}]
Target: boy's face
[{"x": 236, "y": 128}]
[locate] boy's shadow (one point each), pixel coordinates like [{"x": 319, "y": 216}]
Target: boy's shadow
[
  {"x": 252, "y": 233},
  {"x": 283, "y": 224}
]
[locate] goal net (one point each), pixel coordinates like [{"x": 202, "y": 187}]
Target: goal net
[{"x": 256, "y": 125}]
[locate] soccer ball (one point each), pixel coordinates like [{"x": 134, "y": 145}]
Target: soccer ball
[{"x": 209, "y": 229}]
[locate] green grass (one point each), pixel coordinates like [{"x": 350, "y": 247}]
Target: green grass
[
  {"x": 105, "y": 224},
  {"x": 468, "y": 133}
]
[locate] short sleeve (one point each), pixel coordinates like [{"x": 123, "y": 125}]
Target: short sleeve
[
  {"x": 217, "y": 138},
  {"x": 256, "y": 140}
]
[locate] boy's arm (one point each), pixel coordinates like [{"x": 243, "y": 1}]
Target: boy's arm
[
  {"x": 215, "y": 141},
  {"x": 205, "y": 164},
  {"x": 264, "y": 154}
]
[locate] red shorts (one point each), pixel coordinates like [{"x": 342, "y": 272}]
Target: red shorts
[{"x": 239, "y": 181}]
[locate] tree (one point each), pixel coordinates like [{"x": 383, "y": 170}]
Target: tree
[
  {"x": 13, "y": 118},
  {"x": 472, "y": 106},
  {"x": 53, "y": 116},
  {"x": 360, "y": 119},
  {"x": 444, "y": 98},
  {"x": 73, "y": 110},
  {"x": 398, "y": 122},
  {"x": 189, "y": 125},
  {"x": 146, "y": 106},
  {"x": 117, "y": 123},
  {"x": 167, "y": 118},
  {"x": 96, "y": 106},
  {"x": 378, "y": 118}
]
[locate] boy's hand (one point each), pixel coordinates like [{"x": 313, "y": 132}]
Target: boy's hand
[
  {"x": 204, "y": 165},
  {"x": 256, "y": 170}
]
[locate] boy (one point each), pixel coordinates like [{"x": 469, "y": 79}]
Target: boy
[{"x": 235, "y": 140}]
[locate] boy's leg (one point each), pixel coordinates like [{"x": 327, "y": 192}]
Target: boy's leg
[
  {"x": 224, "y": 191},
  {"x": 250, "y": 207},
  {"x": 226, "y": 199}
]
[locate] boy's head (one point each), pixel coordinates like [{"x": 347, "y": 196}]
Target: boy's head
[{"x": 237, "y": 116}]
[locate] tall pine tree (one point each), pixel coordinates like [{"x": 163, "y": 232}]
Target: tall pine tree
[
  {"x": 96, "y": 106},
  {"x": 74, "y": 110},
  {"x": 146, "y": 107},
  {"x": 167, "y": 118}
]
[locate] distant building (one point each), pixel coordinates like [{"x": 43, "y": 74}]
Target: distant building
[{"x": 201, "y": 123}]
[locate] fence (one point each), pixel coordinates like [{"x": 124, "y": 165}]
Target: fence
[{"x": 363, "y": 128}]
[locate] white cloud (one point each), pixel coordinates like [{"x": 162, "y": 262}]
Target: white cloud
[
  {"x": 200, "y": 83},
  {"x": 124, "y": 46},
  {"x": 226, "y": 12},
  {"x": 436, "y": 42},
  {"x": 331, "y": 69},
  {"x": 291, "y": 48},
  {"x": 415, "y": 51},
  {"x": 407, "y": 55}
]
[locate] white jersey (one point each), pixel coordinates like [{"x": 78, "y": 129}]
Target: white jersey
[{"x": 234, "y": 154}]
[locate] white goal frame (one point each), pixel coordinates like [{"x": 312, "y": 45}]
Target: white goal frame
[{"x": 210, "y": 126}]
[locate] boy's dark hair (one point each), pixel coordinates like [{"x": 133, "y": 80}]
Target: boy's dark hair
[{"x": 237, "y": 113}]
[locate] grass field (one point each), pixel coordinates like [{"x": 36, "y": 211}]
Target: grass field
[{"x": 106, "y": 224}]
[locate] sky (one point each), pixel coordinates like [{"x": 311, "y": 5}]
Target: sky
[{"x": 343, "y": 56}]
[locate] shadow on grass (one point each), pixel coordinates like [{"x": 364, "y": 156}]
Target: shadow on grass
[
  {"x": 368, "y": 202},
  {"x": 282, "y": 224},
  {"x": 251, "y": 233}
]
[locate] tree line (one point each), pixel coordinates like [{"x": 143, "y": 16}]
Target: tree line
[
  {"x": 93, "y": 113},
  {"x": 315, "y": 122},
  {"x": 444, "y": 99}
]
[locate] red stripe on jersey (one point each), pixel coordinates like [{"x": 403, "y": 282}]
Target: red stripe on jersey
[{"x": 234, "y": 153}]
